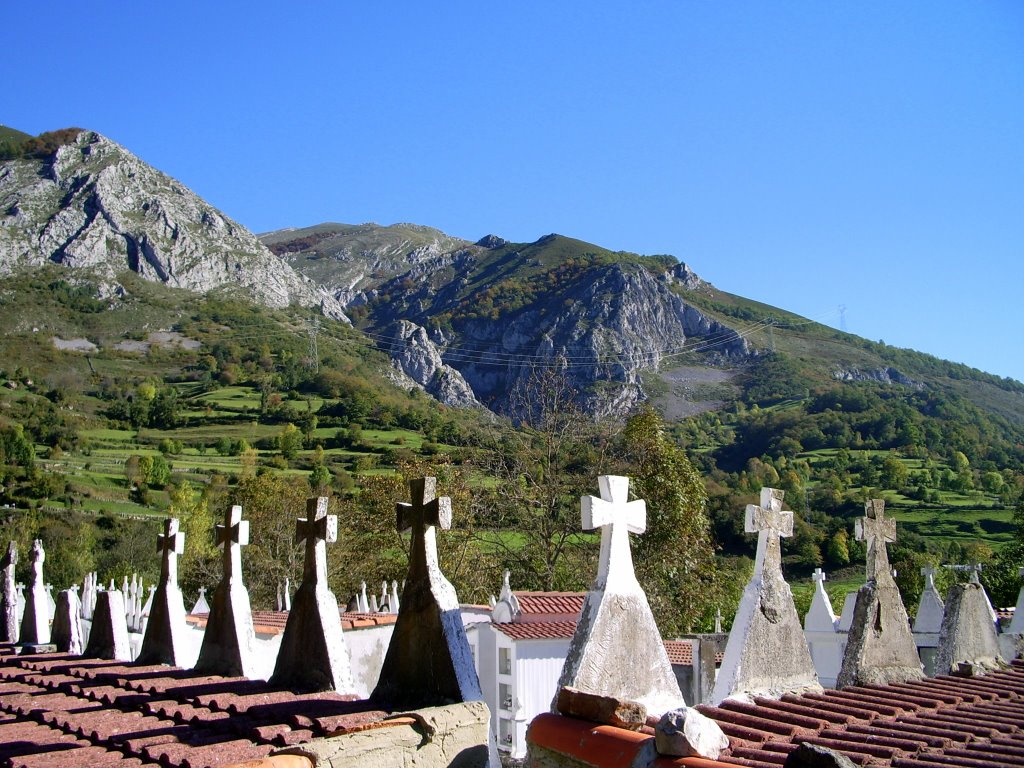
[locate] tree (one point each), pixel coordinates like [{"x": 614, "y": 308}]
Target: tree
[
  {"x": 289, "y": 441},
  {"x": 674, "y": 558},
  {"x": 541, "y": 469},
  {"x": 200, "y": 565}
]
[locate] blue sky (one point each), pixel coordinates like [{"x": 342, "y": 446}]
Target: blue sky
[{"x": 805, "y": 154}]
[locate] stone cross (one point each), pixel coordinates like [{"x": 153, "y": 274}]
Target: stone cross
[
  {"x": 317, "y": 529},
  {"x": 9, "y": 596},
  {"x": 313, "y": 654},
  {"x": 165, "y": 639},
  {"x": 616, "y": 649},
  {"x": 877, "y": 530},
  {"x": 929, "y": 576},
  {"x": 428, "y": 660},
  {"x": 35, "y": 622},
  {"x": 169, "y": 544},
  {"x": 233, "y": 534},
  {"x": 229, "y": 641},
  {"x": 974, "y": 570},
  {"x": 421, "y": 516},
  {"x": 617, "y": 517},
  {"x": 770, "y": 522},
  {"x": 819, "y": 576},
  {"x": 767, "y": 653}
]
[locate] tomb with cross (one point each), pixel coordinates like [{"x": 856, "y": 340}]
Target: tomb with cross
[
  {"x": 824, "y": 640},
  {"x": 881, "y": 648},
  {"x": 771, "y": 523},
  {"x": 9, "y": 596},
  {"x": 767, "y": 652},
  {"x": 820, "y": 616},
  {"x": 35, "y": 621},
  {"x": 428, "y": 660},
  {"x": 968, "y": 639},
  {"x": 617, "y": 649},
  {"x": 313, "y": 654},
  {"x": 877, "y": 530},
  {"x": 165, "y": 638},
  {"x": 229, "y": 643}
]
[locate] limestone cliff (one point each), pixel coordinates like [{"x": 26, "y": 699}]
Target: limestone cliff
[
  {"x": 94, "y": 205},
  {"x": 500, "y": 311},
  {"x": 415, "y": 355}
]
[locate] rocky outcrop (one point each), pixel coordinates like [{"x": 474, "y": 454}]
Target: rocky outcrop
[
  {"x": 415, "y": 355},
  {"x": 619, "y": 321},
  {"x": 96, "y": 206},
  {"x": 879, "y": 375}
]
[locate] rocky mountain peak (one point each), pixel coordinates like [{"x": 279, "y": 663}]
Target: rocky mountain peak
[{"x": 94, "y": 205}]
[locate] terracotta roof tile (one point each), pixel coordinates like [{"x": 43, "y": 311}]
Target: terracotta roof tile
[
  {"x": 537, "y": 630},
  {"x": 679, "y": 651},
  {"x": 99, "y": 713},
  {"x": 947, "y": 721},
  {"x": 550, "y": 604}
]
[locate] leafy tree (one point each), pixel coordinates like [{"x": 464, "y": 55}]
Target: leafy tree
[
  {"x": 674, "y": 558},
  {"x": 541, "y": 470},
  {"x": 289, "y": 441}
]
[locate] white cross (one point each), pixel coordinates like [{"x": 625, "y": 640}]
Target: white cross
[
  {"x": 929, "y": 576},
  {"x": 233, "y": 534},
  {"x": 170, "y": 544},
  {"x": 317, "y": 528},
  {"x": 426, "y": 511},
  {"x": 819, "y": 576},
  {"x": 770, "y": 522},
  {"x": 876, "y": 529},
  {"x": 617, "y": 517}
]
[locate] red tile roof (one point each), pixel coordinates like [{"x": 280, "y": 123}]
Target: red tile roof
[
  {"x": 59, "y": 710},
  {"x": 537, "y": 630},
  {"x": 273, "y": 622},
  {"x": 679, "y": 651},
  {"x": 550, "y": 604},
  {"x": 945, "y": 721}
]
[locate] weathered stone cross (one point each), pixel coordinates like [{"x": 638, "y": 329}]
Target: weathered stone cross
[
  {"x": 929, "y": 576},
  {"x": 819, "y": 576},
  {"x": 170, "y": 544},
  {"x": 974, "y": 570},
  {"x": 877, "y": 530},
  {"x": 234, "y": 535},
  {"x": 617, "y": 517},
  {"x": 770, "y": 522},
  {"x": 317, "y": 529},
  {"x": 426, "y": 511},
  {"x": 8, "y": 596}
]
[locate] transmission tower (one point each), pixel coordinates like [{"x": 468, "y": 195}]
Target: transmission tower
[
  {"x": 771, "y": 333},
  {"x": 842, "y": 318},
  {"x": 313, "y": 356}
]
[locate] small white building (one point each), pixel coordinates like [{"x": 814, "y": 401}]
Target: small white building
[{"x": 519, "y": 655}]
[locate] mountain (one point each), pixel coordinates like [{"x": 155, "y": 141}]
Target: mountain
[
  {"x": 495, "y": 312},
  {"x": 82, "y": 201}
]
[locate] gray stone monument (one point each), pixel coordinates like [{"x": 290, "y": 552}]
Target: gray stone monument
[
  {"x": 880, "y": 648},
  {"x": 313, "y": 654},
  {"x": 967, "y": 639},
  {"x": 108, "y": 638},
  {"x": 164, "y": 640},
  {"x": 767, "y": 653},
  {"x": 428, "y": 661},
  {"x": 9, "y": 596},
  {"x": 67, "y": 623},
  {"x": 229, "y": 643},
  {"x": 617, "y": 649},
  {"x": 35, "y": 622}
]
